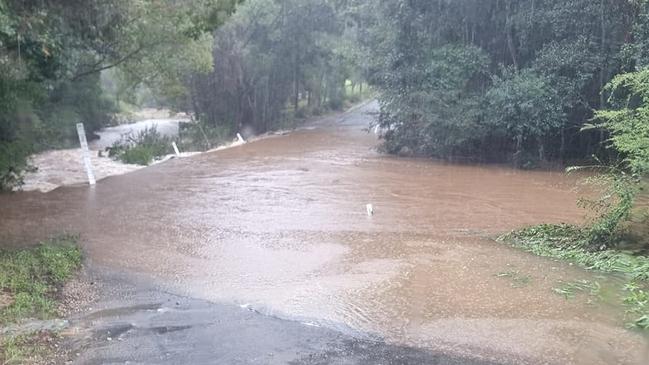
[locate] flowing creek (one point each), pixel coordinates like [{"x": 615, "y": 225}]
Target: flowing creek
[
  {"x": 281, "y": 225},
  {"x": 55, "y": 168},
  {"x": 166, "y": 127}
]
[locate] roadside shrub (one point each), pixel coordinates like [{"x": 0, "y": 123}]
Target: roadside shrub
[
  {"x": 13, "y": 164},
  {"x": 142, "y": 148},
  {"x": 626, "y": 123},
  {"x": 524, "y": 107},
  {"x": 612, "y": 209}
]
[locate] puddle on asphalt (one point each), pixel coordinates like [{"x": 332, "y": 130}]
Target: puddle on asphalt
[
  {"x": 122, "y": 311},
  {"x": 281, "y": 225}
]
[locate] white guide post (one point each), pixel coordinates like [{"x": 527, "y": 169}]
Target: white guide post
[
  {"x": 175, "y": 146},
  {"x": 85, "y": 152},
  {"x": 241, "y": 140},
  {"x": 370, "y": 209}
]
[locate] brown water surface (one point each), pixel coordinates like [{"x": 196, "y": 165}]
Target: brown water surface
[{"x": 281, "y": 225}]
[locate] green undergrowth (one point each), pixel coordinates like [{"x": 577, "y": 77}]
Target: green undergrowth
[
  {"x": 30, "y": 278},
  {"x": 569, "y": 289},
  {"x": 29, "y": 348},
  {"x": 571, "y": 243},
  {"x": 141, "y": 148}
]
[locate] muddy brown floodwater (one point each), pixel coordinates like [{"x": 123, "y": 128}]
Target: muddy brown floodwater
[{"x": 280, "y": 225}]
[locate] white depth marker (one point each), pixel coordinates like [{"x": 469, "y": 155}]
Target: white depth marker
[
  {"x": 370, "y": 209},
  {"x": 85, "y": 153},
  {"x": 175, "y": 146}
]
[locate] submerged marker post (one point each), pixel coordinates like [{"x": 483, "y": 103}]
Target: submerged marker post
[
  {"x": 241, "y": 140},
  {"x": 85, "y": 153}
]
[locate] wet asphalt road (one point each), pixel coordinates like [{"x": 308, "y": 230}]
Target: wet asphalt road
[{"x": 134, "y": 322}]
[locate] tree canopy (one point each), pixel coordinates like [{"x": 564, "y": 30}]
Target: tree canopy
[
  {"x": 542, "y": 67},
  {"x": 272, "y": 53},
  {"x": 484, "y": 80},
  {"x": 52, "y": 54}
]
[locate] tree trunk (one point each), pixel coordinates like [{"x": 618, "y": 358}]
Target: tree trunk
[
  {"x": 519, "y": 151},
  {"x": 562, "y": 148},
  {"x": 296, "y": 75},
  {"x": 510, "y": 37},
  {"x": 265, "y": 109},
  {"x": 603, "y": 67},
  {"x": 296, "y": 86}
]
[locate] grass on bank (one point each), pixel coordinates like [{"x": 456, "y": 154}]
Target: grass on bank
[
  {"x": 29, "y": 282},
  {"x": 31, "y": 277},
  {"x": 570, "y": 243},
  {"x": 30, "y": 348}
]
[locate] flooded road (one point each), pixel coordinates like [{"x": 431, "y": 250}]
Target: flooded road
[{"x": 280, "y": 225}]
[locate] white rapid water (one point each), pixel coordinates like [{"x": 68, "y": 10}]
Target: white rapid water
[{"x": 56, "y": 168}]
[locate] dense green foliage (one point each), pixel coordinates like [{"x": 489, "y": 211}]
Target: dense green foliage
[
  {"x": 275, "y": 61},
  {"x": 52, "y": 54},
  {"x": 497, "y": 80},
  {"x": 628, "y": 118}
]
